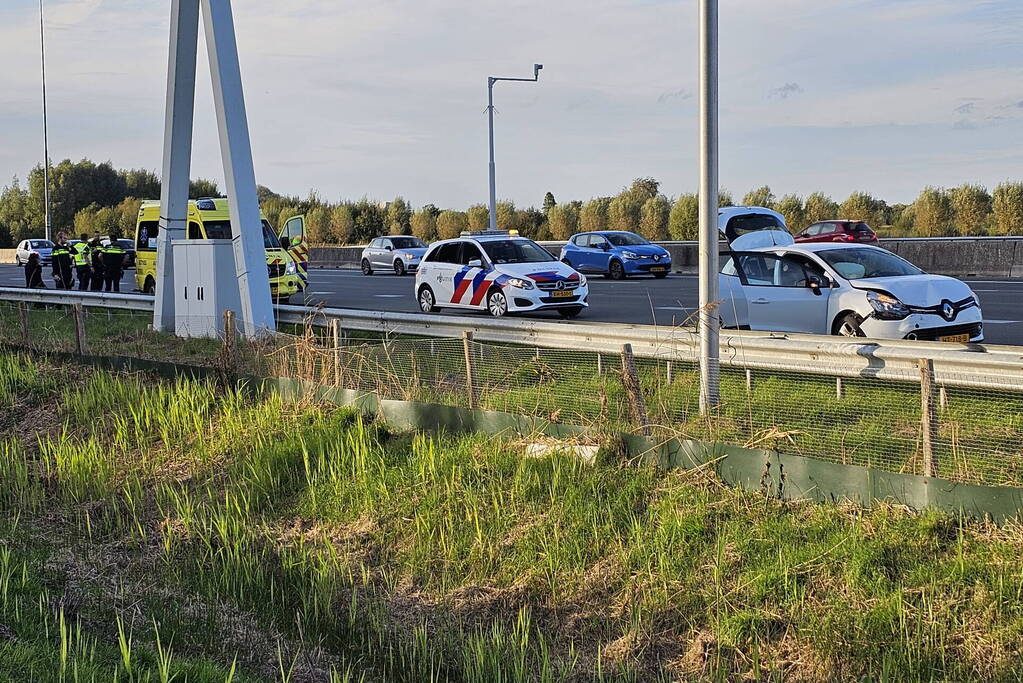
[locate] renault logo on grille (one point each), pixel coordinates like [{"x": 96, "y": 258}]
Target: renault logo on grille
[
  {"x": 561, "y": 284},
  {"x": 948, "y": 310}
]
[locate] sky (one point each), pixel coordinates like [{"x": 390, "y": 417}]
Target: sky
[{"x": 388, "y": 97}]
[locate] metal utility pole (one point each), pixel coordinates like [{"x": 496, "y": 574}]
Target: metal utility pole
[
  {"x": 710, "y": 362},
  {"x": 257, "y": 315},
  {"x": 46, "y": 145},
  {"x": 490, "y": 113}
]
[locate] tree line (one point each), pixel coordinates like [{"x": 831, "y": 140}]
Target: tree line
[{"x": 99, "y": 199}]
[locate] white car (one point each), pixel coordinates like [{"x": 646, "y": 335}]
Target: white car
[
  {"x": 768, "y": 282},
  {"x": 28, "y": 247},
  {"x": 400, "y": 254},
  {"x": 498, "y": 272}
]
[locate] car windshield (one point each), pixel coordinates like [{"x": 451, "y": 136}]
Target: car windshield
[
  {"x": 516, "y": 251},
  {"x": 624, "y": 239},
  {"x": 40, "y": 244},
  {"x": 408, "y": 243},
  {"x": 861, "y": 263},
  {"x": 126, "y": 244},
  {"x": 221, "y": 230}
]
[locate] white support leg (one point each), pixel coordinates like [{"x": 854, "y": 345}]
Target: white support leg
[
  {"x": 257, "y": 315},
  {"x": 177, "y": 152}
]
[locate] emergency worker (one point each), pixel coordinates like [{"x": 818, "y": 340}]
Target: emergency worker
[
  {"x": 97, "y": 264},
  {"x": 113, "y": 265},
  {"x": 82, "y": 255},
  {"x": 61, "y": 259},
  {"x": 34, "y": 272}
]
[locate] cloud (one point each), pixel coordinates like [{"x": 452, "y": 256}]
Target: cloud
[
  {"x": 785, "y": 91},
  {"x": 680, "y": 94}
]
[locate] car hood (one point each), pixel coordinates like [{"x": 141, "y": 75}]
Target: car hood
[
  {"x": 644, "y": 249},
  {"x": 918, "y": 290},
  {"x": 415, "y": 251},
  {"x": 552, "y": 271}
]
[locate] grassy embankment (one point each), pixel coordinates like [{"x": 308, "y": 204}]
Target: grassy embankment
[
  {"x": 875, "y": 423},
  {"x": 159, "y": 531}
]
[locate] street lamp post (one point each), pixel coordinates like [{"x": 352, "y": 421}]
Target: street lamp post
[
  {"x": 46, "y": 146},
  {"x": 710, "y": 366},
  {"x": 490, "y": 112}
]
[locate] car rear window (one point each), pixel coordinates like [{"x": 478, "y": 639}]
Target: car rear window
[{"x": 862, "y": 228}]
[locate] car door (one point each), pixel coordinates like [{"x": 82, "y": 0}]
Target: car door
[
  {"x": 294, "y": 230},
  {"x": 384, "y": 254},
  {"x": 599, "y": 254},
  {"x": 779, "y": 293},
  {"x": 810, "y": 234},
  {"x": 440, "y": 271}
]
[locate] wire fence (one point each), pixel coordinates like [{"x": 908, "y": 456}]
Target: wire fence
[{"x": 912, "y": 424}]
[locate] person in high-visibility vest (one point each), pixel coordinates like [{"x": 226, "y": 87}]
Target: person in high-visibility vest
[
  {"x": 60, "y": 257},
  {"x": 113, "y": 265},
  {"x": 82, "y": 255}
]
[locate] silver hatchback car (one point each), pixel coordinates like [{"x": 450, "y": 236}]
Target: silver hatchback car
[{"x": 399, "y": 254}]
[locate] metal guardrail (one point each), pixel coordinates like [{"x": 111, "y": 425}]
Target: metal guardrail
[{"x": 966, "y": 365}]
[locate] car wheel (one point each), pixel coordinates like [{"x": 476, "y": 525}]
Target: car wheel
[
  {"x": 149, "y": 287},
  {"x": 497, "y": 303},
  {"x": 399, "y": 268},
  {"x": 366, "y": 268},
  {"x": 569, "y": 313},
  {"x": 848, "y": 325},
  {"x": 427, "y": 301},
  {"x": 616, "y": 271},
  {"x": 660, "y": 276},
  {"x": 17, "y": 259}
]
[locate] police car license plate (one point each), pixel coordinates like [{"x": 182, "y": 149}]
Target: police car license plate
[
  {"x": 657, "y": 269},
  {"x": 561, "y": 293},
  {"x": 959, "y": 338}
]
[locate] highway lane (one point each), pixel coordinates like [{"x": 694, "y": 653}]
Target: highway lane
[{"x": 671, "y": 301}]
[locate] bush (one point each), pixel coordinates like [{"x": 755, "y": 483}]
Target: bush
[
  {"x": 451, "y": 223},
  {"x": 1008, "y": 209}
]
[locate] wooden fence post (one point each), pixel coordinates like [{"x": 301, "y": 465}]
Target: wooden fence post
[
  {"x": 839, "y": 388},
  {"x": 671, "y": 377},
  {"x": 749, "y": 380},
  {"x": 79, "y": 316},
  {"x": 335, "y": 341},
  {"x": 928, "y": 416},
  {"x": 470, "y": 374},
  {"x": 630, "y": 378},
  {"x": 26, "y": 336},
  {"x": 230, "y": 340},
  {"x": 600, "y": 364}
]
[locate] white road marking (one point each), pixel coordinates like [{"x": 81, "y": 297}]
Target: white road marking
[
  {"x": 673, "y": 308},
  {"x": 1002, "y": 322},
  {"x": 389, "y": 296}
]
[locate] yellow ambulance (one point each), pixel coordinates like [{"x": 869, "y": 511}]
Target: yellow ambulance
[{"x": 209, "y": 219}]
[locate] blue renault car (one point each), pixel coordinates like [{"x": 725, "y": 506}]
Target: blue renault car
[{"x": 615, "y": 254}]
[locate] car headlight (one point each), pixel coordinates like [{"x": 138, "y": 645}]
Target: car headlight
[
  {"x": 886, "y": 306},
  {"x": 292, "y": 268},
  {"x": 582, "y": 280},
  {"x": 520, "y": 283},
  {"x": 631, "y": 255},
  {"x": 976, "y": 298},
  {"x": 409, "y": 257}
]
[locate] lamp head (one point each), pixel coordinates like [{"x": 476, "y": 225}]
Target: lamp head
[{"x": 536, "y": 70}]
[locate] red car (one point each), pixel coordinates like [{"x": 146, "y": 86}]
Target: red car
[{"x": 838, "y": 231}]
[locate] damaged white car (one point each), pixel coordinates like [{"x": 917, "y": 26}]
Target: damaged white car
[{"x": 768, "y": 282}]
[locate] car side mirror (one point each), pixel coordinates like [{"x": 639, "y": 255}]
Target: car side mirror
[
  {"x": 814, "y": 283},
  {"x": 389, "y": 248},
  {"x": 605, "y": 246},
  {"x": 475, "y": 263}
]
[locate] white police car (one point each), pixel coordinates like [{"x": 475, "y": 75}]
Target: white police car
[{"x": 499, "y": 272}]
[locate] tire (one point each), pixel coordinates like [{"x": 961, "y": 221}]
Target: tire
[
  {"x": 660, "y": 276},
  {"x": 615, "y": 270},
  {"x": 569, "y": 313},
  {"x": 17, "y": 259},
  {"x": 848, "y": 325},
  {"x": 399, "y": 268},
  {"x": 149, "y": 287},
  {"x": 497, "y": 303},
  {"x": 427, "y": 300},
  {"x": 366, "y": 268}
]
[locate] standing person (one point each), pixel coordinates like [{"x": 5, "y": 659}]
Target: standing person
[
  {"x": 97, "y": 264},
  {"x": 82, "y": 254},
  {"x": 113, "y": 264},
  {"x": 34, "y": 272},
  {"x": 61, "y": 259}
]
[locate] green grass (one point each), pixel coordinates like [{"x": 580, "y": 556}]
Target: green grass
[{"x": 170, "y": 531}]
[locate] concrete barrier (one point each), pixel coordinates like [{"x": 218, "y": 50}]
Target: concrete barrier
[{"x": 7, "y": 255}]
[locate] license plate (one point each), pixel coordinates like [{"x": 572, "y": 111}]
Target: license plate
[
  {"x": 562, "y": 293},
  {"x": 658, "y": 269},
  {"x": 960, "y": 338}
]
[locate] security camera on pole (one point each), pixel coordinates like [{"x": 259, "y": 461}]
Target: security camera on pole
[{"x": 490, "y": 111}]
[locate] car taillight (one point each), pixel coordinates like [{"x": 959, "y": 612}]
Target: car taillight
[{"x": 847, "y": 237}]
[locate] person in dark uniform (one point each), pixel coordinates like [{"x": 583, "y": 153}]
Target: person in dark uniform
[
  {"x": 97, "y": 264},
  {"x": 61, "y": 260},
  {"x": 113, "y": 265},
  {"x": 34, "y": 273},
  {"x": 82, "y": 255}
]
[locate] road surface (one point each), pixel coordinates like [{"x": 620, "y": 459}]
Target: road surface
[{"x": 671, "y": 301}]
